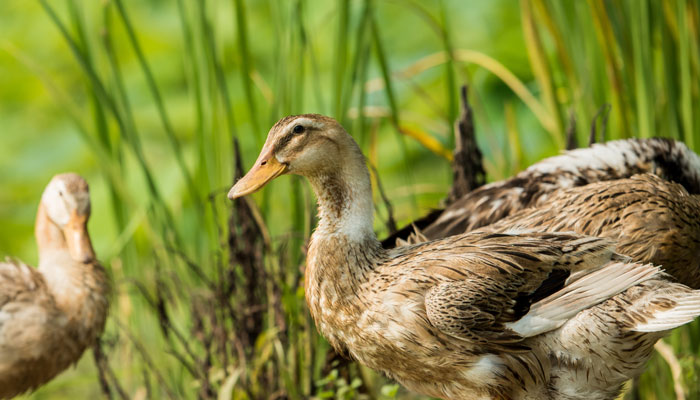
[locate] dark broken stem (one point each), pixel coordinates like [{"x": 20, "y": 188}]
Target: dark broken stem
[
  {"x": 105, "y": 373},
  {"x": 100, "y": 362},
  {"x": 467, "y": 168},
  {"x": 571, "y": 139},
  {"x": 206, "y": 338},
  {"x": 160, "y": 303},
  {"x": 147, "y": 382},
  {"x": 602, "y": 114},
  {"x": 390, "y": 221}
]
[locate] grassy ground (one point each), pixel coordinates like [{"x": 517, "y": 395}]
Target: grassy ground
[{"x": 146, "y": 99}]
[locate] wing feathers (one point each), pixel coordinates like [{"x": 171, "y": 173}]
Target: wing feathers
[
  {"x": 553, "y": 311},
  {"x": 686, "y": 309}
]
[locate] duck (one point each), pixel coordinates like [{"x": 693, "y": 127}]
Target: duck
[
  {"x": 480, "y": 315},
  {"x": 653, "y": 213},
  {"x": 619, "y": 159},
  {"x": 49, "y": 315}
]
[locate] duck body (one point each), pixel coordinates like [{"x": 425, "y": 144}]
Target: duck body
[
  {"x": 608, "y": 162},
  {"x": 51, "y": 314},
  {"x": 434, "y": 316},
  {"x": 398, "y": 314},
  {"x": 482, "y": 315}
]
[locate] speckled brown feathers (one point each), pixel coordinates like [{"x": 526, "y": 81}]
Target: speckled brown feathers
[
  {"x": 482, "y": 315},
  {"x": 653, "y": 221},
  {"x": 668, "y": 159},
  {"x": 38, "y": 339},
  {"x": 427, "y": 314}
]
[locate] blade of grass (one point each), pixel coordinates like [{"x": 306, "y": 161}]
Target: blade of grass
[
  {"x": 693, "y": 15},
  {"x": 670, "y": 124},
  {"x": 441, "y": 26},
  {"x": 541, "y": 70},
  {"x": 109, "y": 102},
  {"x": 220, "y": 79},
  {"x": 160, "y": 105},
  {"x": 359, "y": 61},
  {"x": 607, "y": 42},
  {"x": 100, "y": 119},
  {"x": 556, "y": 22},
  {"x": 450, "y": 81},
  {"x": 192, "y": 67},
  {"x": 73, "y": 111},
  {"x": 214, "y": 147},
  {"x": 389, "y": 91},
  {"x": 486, "y": 62},
  {"x": 684, "y": 73},
  {"x": 516, "y": 149},
  {"x": 363, "y": 55},
  {"x": 312, "y": 59},
  {"x": 427, "y": 141},
  {"x": 82, "y": 44},
  {"x": 341, "y": 55},
  {"x": 639, "y": 24},
  {"x": 247, "y": 67}
]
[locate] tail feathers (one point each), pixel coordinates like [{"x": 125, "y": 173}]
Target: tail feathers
[
  {"x": 552, "y": 312},
  {"x": 685, "y": 309}
]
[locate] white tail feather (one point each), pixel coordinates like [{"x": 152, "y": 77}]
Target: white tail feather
[
  {"x": 553, "y": 311},
  {"x": 687, "y": 308}
]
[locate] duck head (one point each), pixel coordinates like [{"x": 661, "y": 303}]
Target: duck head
[
  {"x": 307, "y": 145},
  {"x": 66, "y": 201}
]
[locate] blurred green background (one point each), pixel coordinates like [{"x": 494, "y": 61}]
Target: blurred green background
[{"x": 145, "y": 99}]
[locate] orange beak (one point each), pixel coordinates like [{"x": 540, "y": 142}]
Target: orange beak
[
  {"x": 78, "y": 240},
  {"x": 265, "y": 169}
]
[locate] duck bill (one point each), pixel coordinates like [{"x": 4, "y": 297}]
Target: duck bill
[
  {"x": 266, "y": 168},
  {"x": 78, "y": 240}
]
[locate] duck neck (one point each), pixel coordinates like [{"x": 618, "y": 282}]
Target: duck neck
[
  {"x": 75, "y": 286},
  {"x": 50, "y": 240},
  {"x": 344, "y": 248},
  {"x": 345, "y": 202}
]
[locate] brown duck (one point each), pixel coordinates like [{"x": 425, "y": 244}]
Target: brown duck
[
  {"x": 478, "y": 315},
  {"x": 653, "y": 219},
  {"x": 50, "y": 315},
  {"x": 668, "y": 159}
]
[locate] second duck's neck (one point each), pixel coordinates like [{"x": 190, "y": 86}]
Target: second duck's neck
[
  {"x": 70, "y": 282},
  {"x": 51, "y": 242}
]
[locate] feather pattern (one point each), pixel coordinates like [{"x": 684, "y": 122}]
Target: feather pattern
[
  {"x": 653, "y": 221},
  {"x": 444, "y": 317},
  {"x": 670, "y": 160}
]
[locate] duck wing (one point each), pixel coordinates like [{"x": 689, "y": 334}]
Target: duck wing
[
  {"x": 508, "y": 287},
  {"x": 25, "y": 307}
]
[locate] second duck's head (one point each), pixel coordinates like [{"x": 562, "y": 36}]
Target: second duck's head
[
  {"x": 66, "y": 201},
  {"x": 307, "y": 145}
]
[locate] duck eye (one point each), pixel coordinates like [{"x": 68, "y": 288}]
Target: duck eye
[{"x": 298, "y": 129}]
